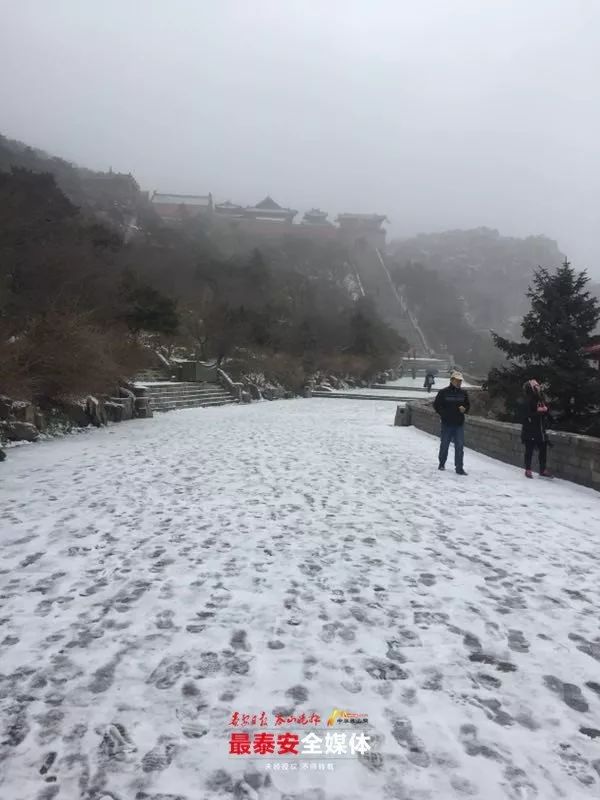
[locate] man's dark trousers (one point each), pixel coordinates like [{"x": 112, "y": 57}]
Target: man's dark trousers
[{"x": 456, "y": 434}]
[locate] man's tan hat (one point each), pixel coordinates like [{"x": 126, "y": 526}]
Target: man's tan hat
[{"x": 456, "y": 376}]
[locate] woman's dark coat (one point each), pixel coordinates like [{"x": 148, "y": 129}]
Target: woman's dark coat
[{"x": 534, "y": 423}]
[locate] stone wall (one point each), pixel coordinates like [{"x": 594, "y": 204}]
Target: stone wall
[
  {"x": 21, "y": 420},
  {"x": 572, "y": 457},
  {"x": 272, "y": 230}
]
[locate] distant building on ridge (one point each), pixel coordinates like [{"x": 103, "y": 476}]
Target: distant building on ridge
[
  {"x": 267, "y": 219},
  {"x": 173, "y": 208}
]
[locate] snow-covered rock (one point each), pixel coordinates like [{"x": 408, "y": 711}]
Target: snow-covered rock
[
  {"x": 20, "y": 431},
  {"x": 253, "y": 389},
  {"x": 23, "y": 411}
]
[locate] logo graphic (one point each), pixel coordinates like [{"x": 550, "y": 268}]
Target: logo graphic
[
  {"x": 345, "y": 717},
  {"x": 257, "y": 736}
]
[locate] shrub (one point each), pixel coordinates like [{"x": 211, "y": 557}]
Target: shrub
[{"x": 66, "y": 354}]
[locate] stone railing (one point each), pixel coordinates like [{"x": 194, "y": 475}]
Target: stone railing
[
  {"x": 572, "y": 457},
  {"x": 196, "y": 371},
  {"x": 233, "y": 387}
]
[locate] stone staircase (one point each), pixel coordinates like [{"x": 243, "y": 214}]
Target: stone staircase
[
  {"x": 171, "y": 395},
  {"x": 376, "y": 282},
  {"x": 424, "y": 365},
  {"x": 350, "y": 395}
]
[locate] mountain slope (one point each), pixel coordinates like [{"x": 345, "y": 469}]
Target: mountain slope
[
  {"x": 488, "y": 273},
  {"x": 114, "y": 198},
  {"x": 462, "y": 284}
]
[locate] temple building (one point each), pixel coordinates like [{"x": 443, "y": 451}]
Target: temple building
[
  {"x": 315, "y": 217},
  {"x": 229, "y": 209},
  {"x": 174, "y": 208},
  {"x": 268, "y": 220},
  {"x": 269, "y": 210}
]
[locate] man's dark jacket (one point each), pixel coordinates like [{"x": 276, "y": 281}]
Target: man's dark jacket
[{"x": 447, "y": 402}]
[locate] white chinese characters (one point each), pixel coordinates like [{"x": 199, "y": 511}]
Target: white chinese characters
[{"x": 338, "y": 744}]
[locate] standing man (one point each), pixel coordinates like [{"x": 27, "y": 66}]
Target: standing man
[{"x": 452, "y": 403}]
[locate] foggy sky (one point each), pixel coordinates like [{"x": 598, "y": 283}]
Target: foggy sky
[{"x": 440, "y": 113}]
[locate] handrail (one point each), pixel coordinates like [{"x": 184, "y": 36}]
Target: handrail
[{"x": 234, "y": 387}]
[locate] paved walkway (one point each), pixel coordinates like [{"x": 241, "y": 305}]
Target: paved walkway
[{"x": 288, "y": 558}]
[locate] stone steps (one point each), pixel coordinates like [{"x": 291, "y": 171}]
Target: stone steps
[
  {"x": 421, "y": 389},
  {"x": 179, "y": 391},
  {"x": 173, "y": 405},
  {"x": 422, "y": 367},
  {"x": 420, "y": 373},
  {"x": 174, "y": 395},
  {"x": 378, "y": 284},
  {"x": 351, "y": 396}
]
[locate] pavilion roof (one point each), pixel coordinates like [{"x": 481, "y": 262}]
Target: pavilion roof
[
  {"x": 269, "y": 208},
  {"x": 269, "y": 204}
]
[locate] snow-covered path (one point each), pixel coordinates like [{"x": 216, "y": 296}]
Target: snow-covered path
[{"x": 292, "y": 557}]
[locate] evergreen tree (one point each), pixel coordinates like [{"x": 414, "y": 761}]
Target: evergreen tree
[
  {"x": 257, "y": 273},
  {"x": 370, "y": 335},
  {"x": 150, "y": 310},
  {"x": 556, "y": 331}
]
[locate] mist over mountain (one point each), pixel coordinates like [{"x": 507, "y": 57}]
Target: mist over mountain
[
  {"x": 113, "y": 198},
  {"x": 459, "y": 284},
  {"x": 440, "y": 115},
  {"x": 93, "y": 282},
  {"x": 489, "y": 273}
]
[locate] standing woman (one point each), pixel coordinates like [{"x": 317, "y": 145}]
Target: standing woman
[{"x": 533, "y": 430}]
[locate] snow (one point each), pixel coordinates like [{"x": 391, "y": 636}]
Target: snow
[
  {"x": 420, "y": 360},
  {"x": 405, "y": 388},
  {"x": 401, "y": 394},
  {"x": 417, "y": 383},
  {"x": 161, "y": 574},
  {"x": 143, "y": 384}
]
